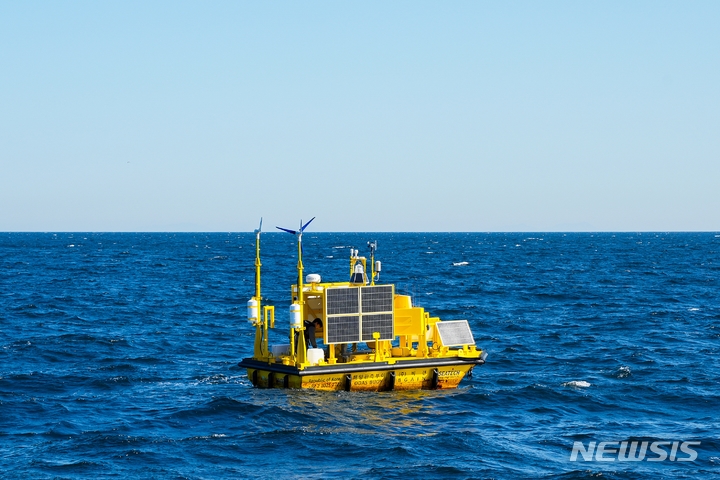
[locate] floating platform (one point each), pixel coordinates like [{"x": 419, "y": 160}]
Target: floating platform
[
  {"x": 411, "y": 374},
  {"x": 372, "y": 339}
]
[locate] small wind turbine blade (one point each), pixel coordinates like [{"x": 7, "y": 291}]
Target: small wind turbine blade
[
  {"x": 260, "y": 228},
  {"x": 302, "y": 229},
  {"x": 287, "y": 230}
]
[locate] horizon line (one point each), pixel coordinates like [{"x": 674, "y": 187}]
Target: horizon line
[{"x": 358, "y": 231}]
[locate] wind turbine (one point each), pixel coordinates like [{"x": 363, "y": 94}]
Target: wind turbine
[{"x": 299, "y": 233}]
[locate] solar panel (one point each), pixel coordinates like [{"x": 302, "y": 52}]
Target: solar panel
[
  {"x": 377, "y": 299},
  {"x": 343, "y": 329},
  {"x": 353, "y": 314},
  {"x": 382, "y": 323},
  {"x": 341, "y": 301},
  {"x": 454, "y": 333}
]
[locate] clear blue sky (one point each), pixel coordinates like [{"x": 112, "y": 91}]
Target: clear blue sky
[{"x": 372, "y": 116}]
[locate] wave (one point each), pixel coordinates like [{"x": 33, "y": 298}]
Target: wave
[{"x": 577, "y": 384}]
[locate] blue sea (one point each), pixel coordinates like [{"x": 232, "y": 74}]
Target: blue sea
[{"x": 119, "y": 352}]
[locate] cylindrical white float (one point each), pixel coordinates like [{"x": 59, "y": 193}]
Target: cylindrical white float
[
  {"x": 252, "y": 310},
  {"x": 295, "y": 321}
]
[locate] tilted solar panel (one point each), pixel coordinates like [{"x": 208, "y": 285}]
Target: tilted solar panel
[{"x": 454, "y": 333}]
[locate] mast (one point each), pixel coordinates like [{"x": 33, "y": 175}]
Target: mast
[
  {"x": 373, "y": 273},
  {"x": 260, "y": 349},
  {"x": 257, "y": 264},
  {"x": 299, "y": 304}
]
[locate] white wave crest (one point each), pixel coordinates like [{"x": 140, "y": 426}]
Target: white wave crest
[
  {"x": 624, "y": 372},
  {"x": 577, "y": 384}
]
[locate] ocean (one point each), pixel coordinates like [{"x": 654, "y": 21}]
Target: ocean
[{"x": 119, "y": 352}]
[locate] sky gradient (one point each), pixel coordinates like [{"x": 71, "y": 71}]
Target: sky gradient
[{"x": 371, "y": 116}]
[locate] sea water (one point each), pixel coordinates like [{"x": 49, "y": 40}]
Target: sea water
[{"x": 119, "y": 352}]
